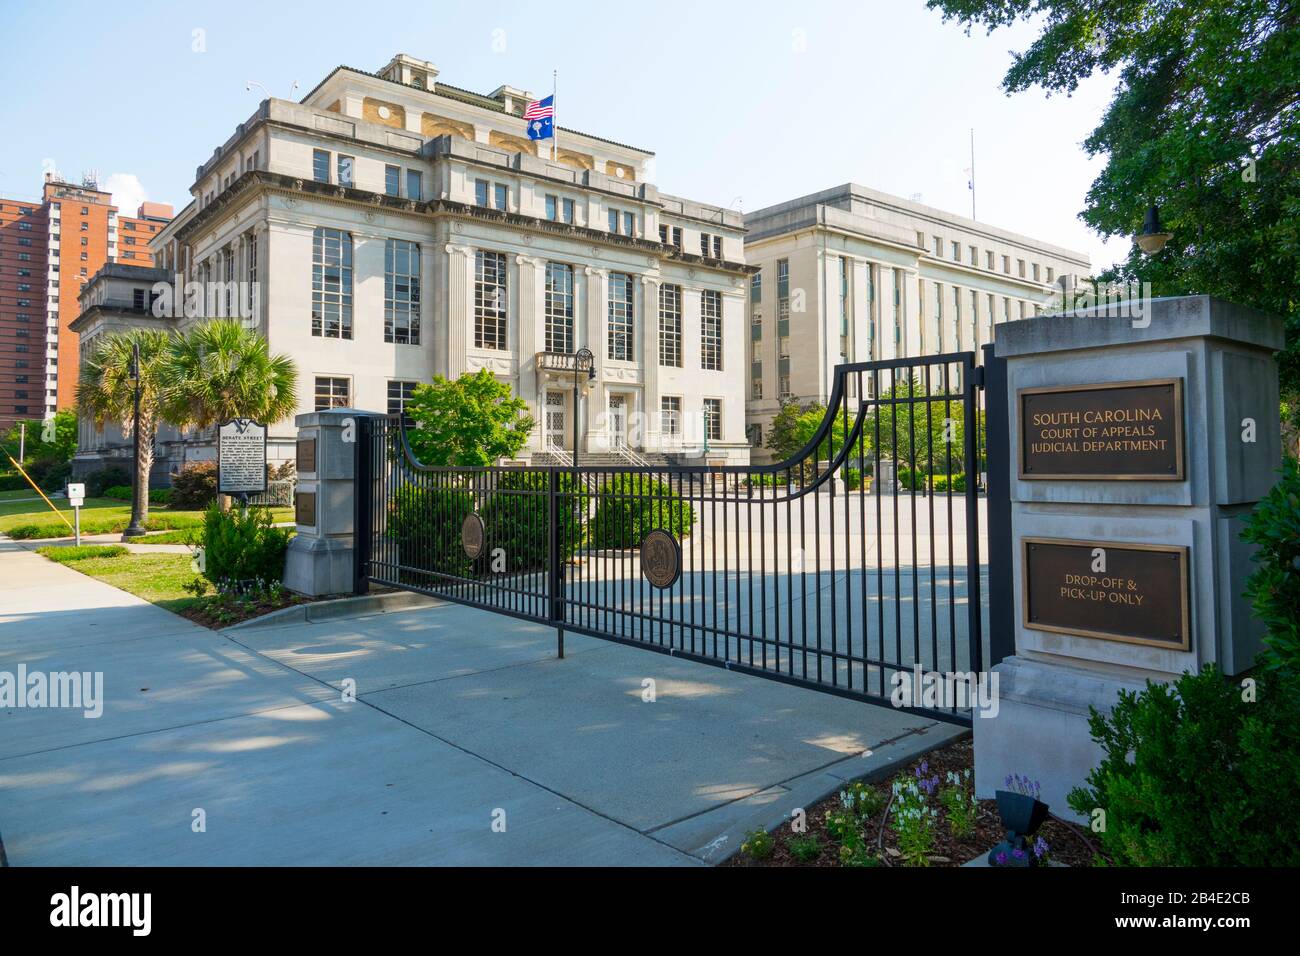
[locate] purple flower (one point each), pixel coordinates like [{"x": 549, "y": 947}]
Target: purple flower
[
  {"x": 1040, "y": 848},
  {"x": 1018, "y": 853},
  {"x": 1002, "y": 859}
]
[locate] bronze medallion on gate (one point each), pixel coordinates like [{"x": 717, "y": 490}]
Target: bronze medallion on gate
[
  {"x": 472, "y": 535},
  {"x": 661, "y": 558}
]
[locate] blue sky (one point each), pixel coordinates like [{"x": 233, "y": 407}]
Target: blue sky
[{"x": 745, "y": 104}]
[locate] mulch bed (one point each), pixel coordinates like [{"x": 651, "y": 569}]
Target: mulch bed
[
  {"x": 1069, "y": 844},
  {"x": 215, "y": 615}
]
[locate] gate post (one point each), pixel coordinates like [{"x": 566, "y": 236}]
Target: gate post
[
  {"x": 330, "y": 504},
  {"x": 1141, "y": 436}
]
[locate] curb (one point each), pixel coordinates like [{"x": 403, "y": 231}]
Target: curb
[{"x": 360, "y": 606}]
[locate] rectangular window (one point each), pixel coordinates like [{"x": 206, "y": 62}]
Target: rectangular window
[
  {"x": 956, "y": 318},
  {"x": 988, "y": 259},
  {"x": 956, "y": 251},
  {"x": 1035, "y": 271},
  {"x": 898, "y": 309},
  {"x": 620, "y": 317},
  {"x": 401, "y": 292},
  {"x": 974, "y": 255},
  {"x": 481, "y": 192},
  {"x": 566, "y": 210},
  {"x": 974, "y": 319},
  {"x": 552, "y": 208},
  {"x": 414, "y": 184},
  {"x": 938, "y": 246},
  {"x": 1051, "y": 274},
  {"x": 490, "y": 299},
  {"x": 629, "y": 224},
  {"x": 392, "y": 181},
  {"x": 713, "y": 418},
  {"x": 756, "y": 288},
  {"x": 1020, "y": 268},
  {"x": 670, "y": 235},
  {"x": 347, "y": 166},
  {"x": 501, "y": 197},
  {"x": 711, "y": 330},
  {"x": 399, "y": 393},
  {"x": 613, "y": 220},
  {"x": 844, "y": 309},
  {"x": 331, "y": 283},
  {"x": 670, "y": 325},
  {"x": 1006, "y": 264},
  {"x": 559, "y": 307},
  {"x": 670, "y": 414},
  {"x": 331, "y": 393}
]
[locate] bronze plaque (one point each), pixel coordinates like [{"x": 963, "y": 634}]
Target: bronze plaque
[
  {"x": 472, "y": 535},
  {"x": 1114, "y": 431},
  {"x": 306, "y": 455},
  {"x": 1134, "y": 593},
  {"x": 304, "y": 508},
  {"x": 661, "y": 558}
]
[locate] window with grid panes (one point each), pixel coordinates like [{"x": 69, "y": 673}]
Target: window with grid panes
[
  {"x": 490, "y": 323},
  {"x": 331, "y": 283},
  {"x": 401, "y": 292},
  {"x": 670, "y": 325},
  {"x": 711, "y": 330}
]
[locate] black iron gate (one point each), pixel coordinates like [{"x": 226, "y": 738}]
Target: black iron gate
[{"x": 854, "y": 561}]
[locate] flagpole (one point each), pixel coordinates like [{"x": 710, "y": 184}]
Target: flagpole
[
  {"x": 972, "y": 172},
  {"x": 555, "y": 131}
]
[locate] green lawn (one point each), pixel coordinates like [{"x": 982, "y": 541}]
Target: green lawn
[
  {"x": 27, "y": 519},
  {"x": 158, "y": 578}
]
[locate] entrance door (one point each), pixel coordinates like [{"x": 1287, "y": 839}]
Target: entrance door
[
  {"x": 555, "y": 425},
  {"x": 618, "y": 420}
]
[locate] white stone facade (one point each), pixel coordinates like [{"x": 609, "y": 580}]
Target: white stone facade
[
  {"x": 396, "y": 162},
  {"x": 869, "y": 276}
]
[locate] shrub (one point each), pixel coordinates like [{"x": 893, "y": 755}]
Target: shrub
[
  {"x": 50, "y": 473},
  {"x": 424, "y": 525},
  {"x": 862, "y": 801},
  {"x": 82, "y": 552},
  {"x": 910, "y": 480},
  {"x": 242, "y": 545},
  {"x": 98, "y": 481},
  {"x": 1199, "y": 774},
  {"x": 516, "y": 518},
  {"x": 1274, "y": 586},
  {"x": 630, "y": 505},
  {"x": 758, "y": 845},
  {"x": 805, "y": 849},
  {"x": 195, "y": 487}
]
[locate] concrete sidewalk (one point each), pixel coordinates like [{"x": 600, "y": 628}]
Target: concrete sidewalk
[{"x": 461, "y": 718}]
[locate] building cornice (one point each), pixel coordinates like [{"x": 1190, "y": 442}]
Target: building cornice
[{"x": 266, "y": 181}]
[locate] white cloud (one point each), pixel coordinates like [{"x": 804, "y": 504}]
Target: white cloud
[{"x": 128, "y": 192}]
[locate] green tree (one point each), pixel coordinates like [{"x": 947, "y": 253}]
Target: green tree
[
  {"x": 780, "y": 437},
  {"x": 106, "y": 392},
  {"x": 221, "y": 370},
  {"x": 1205, "y": 124},
  {"x": 472, "y": 421},
  {"x": 62, "y": 432},
  {"x": 926, "y": 433}
]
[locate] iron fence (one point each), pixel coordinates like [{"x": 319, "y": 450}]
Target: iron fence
[{"x": 854, "y": 561}]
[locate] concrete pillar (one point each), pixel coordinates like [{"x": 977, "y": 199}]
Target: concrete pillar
[
  {"x": 650, "y": 437},
  {"x": 1163, "y": 520},
  {"x": 320, "y": 556}
]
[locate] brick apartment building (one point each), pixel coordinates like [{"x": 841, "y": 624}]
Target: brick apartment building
[{"x": 48, "y": 251}]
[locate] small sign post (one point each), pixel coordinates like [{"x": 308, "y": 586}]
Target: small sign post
[
  {"x": 76, "y": 492},
  {"x": 241, "y": 458}
]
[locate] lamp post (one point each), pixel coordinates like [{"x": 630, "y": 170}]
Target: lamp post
[
  {"x": 583, "y": 361},
  {"x": 1152, "y": 238},
  {"x": 135, "y": 529}
]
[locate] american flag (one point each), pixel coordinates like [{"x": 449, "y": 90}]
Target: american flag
[{"x": 540, "y": 109}]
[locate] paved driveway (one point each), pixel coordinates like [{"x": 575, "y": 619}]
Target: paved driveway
[{"x": 467, "y": 741}]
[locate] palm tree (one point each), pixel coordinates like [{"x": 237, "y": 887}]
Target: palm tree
[
  {"x": 106, "y": 391},
  {"x": 221, "y": 370}
]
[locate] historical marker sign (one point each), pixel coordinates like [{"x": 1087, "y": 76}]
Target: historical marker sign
[
  {"x": 241, "y": 457},
  {"x": 1112, "y": 431},
  {"x": 1134, "y": 593}
]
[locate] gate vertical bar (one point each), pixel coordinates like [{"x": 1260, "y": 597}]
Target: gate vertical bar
[
  {"x": 555, "y": 576},
  {"x": 363, "y": 500}
]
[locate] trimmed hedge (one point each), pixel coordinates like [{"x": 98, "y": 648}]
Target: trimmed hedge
[
  {"x": 242, "y": 545},
  {"x": 631, "y": 505},
  {"x": 516, "y": 518},
  {"x": 195, "y": 487}
]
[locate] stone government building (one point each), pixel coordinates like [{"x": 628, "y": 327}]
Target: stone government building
[{"x": 397, "y": 228}]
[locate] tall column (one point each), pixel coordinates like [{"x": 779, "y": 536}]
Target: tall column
[
  {"x": 531, "y": 271},
  {"x": 650, "y": 437},
  {"x": 911, "y": 313},
  {"x": 596, "y": 294},
  {"x": 460, "y": 316}
]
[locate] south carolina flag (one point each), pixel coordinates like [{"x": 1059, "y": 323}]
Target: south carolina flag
[{"x": 540, "y": 116}]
